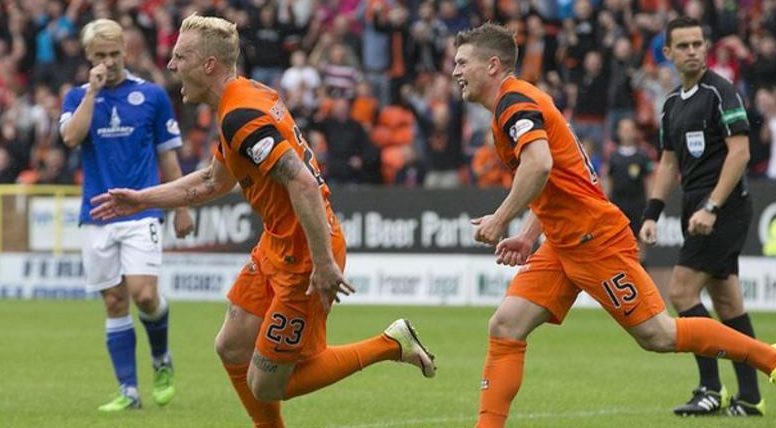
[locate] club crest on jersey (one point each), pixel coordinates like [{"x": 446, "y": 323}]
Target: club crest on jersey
[
  {"x": 259, "y": 151},
  {"x": 520, "y": 128},
  {"x": 696, "y": 143},
  {"x": 136, "y": 98},
  {"x": 115, "y": 128},
  {"x": 172, "y": 127}
]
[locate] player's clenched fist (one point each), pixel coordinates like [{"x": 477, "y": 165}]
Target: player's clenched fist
[
  {"x": 648, "y": 232},
  {"x": 97, "y": 77}
]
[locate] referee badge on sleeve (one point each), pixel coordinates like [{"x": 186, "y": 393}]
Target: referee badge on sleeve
[{"x": 696, "y": 143}]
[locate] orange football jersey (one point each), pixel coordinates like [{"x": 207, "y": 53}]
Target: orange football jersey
[
  {"x": 572, "y": 208},
  {"x": 256, "y": 129}
]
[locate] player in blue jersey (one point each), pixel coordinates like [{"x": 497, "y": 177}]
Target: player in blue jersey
[{"x": 127, "y": 133}]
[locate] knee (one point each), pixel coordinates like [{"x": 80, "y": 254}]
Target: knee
[
  {"x": 680, "y": 296},
  {"x": 231, "y": 350},
  {"x": 147, "y": 299},
  {"x": 116, "y": 304},
  {"x": 657, "y": 340},
  {"x": 500, "y": 326}
]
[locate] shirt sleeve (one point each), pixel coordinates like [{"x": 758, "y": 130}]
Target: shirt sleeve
[
  {"x": 664, "y": 137},
  {"x": 521, "y": 119},
  {"x": 167, "y": 134},
  {"x": 254, "y": 135},
  {"x": 69, "y": 104},
  {"x": 732, "y": 111}
]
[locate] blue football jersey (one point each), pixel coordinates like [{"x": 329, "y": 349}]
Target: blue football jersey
[{"x": 132, "y": 122}]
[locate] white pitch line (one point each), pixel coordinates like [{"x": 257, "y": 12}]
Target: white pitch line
[{"x": 546, "y": 415}]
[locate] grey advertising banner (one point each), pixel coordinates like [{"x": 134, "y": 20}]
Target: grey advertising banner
[{"x": 401, "y": 221}]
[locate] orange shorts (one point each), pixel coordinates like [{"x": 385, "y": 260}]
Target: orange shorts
[
  {"x": 293, "y": 324},
  {"x": 615, "y": 279}
]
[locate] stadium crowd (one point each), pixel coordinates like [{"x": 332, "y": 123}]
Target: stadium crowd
[{"x": 369, "y": 81}]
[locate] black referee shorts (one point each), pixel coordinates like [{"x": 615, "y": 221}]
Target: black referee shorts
[{"x": 716, "y": 253}]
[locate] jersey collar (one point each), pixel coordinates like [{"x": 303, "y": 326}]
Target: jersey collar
[{"x": 688, "y": 93}]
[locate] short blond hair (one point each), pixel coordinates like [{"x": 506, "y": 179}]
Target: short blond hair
[
  {"x": 217, "y": 37},
  {"x": 106, "y": 29}
]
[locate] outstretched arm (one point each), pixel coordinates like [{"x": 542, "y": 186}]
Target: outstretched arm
[
  {"x": 198, "y": 187},
  {"x": 171, "y": 171}
]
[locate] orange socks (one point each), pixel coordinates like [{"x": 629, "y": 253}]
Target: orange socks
[
  {"x": 264, "y": 415},
  {"x": 338, "y": 362},
  {"x": 709, "y": 338},
  {"x": 501, "y": 379}
]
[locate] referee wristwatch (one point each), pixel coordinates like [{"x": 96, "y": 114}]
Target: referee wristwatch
[{"x": 711, "y": 207}]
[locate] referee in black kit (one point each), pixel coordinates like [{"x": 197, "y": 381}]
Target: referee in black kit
[{"x": 703, "y": 133}]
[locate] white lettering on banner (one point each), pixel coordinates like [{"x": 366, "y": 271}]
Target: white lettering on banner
[
  {"x": 352, "y": 228},
  {"x": 446, "y": 232},
  {"x": 215, "y": 225},
  {"x": 382, "y": 232}
]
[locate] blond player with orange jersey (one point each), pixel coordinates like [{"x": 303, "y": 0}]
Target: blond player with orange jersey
[
  {"x": 589, "y": 246},
  {"x": 273, "y": 340}
]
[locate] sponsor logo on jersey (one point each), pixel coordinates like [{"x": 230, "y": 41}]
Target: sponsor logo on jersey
[
  {"x": 696, "y": 143},
  {"x": 114, "y": 128},
  {"x": 259, "y": 151},
  {"x": 520, "y": 128},
  {"x": 136, "y": 98}
]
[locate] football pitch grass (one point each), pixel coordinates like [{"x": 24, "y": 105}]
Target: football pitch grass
[{"x": 54, "y": 372}]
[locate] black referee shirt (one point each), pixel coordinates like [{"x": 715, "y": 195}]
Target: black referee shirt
[{"x": 695, "y": 124}]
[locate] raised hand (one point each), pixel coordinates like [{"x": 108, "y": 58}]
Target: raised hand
[{"x": 116, "y": 203}]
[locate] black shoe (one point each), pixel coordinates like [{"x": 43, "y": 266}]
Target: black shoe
[
  {"x": 704, "y": 402},
  {"x": 740, "y": 407}
]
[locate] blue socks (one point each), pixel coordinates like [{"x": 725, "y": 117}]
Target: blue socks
[
  {"x": 121, "y": 347},
  {"x": 156, "y": 326}
]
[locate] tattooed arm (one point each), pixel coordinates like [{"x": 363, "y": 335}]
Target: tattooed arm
[
  {"x": 307, "y": 201},
  {"x": 198, "y": 187},
  {"x": 305, "y": 196}
]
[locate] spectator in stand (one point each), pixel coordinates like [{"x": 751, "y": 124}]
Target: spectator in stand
[
  {"x": 53, "y": 25},
  {"x": 337, "y": 65},
  {"x": 451, "y": 17},
  {"x": 365, "y": 106},
  {"x": 621, "y": 97},
  {"x": 759, "y": 114},
  {"x": 428, "y": 40},
  {"x": 538, "y": 53},
  {"x": 376, "y": 47},
  {"x": 9, "y": 170},
  {"x": 589, "y": 110},
  {"x": 627, "y": 179},
  {"x": 265, "y": 53},
  {"x": 761, "y": 71},
  {"x": 301, "y": 79},
  {"x": 351, "y": 157},
  {"x": 52, "y": 169}
]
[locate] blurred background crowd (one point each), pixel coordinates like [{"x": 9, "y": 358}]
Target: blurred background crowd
[{"x": 369, "y": 81}]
